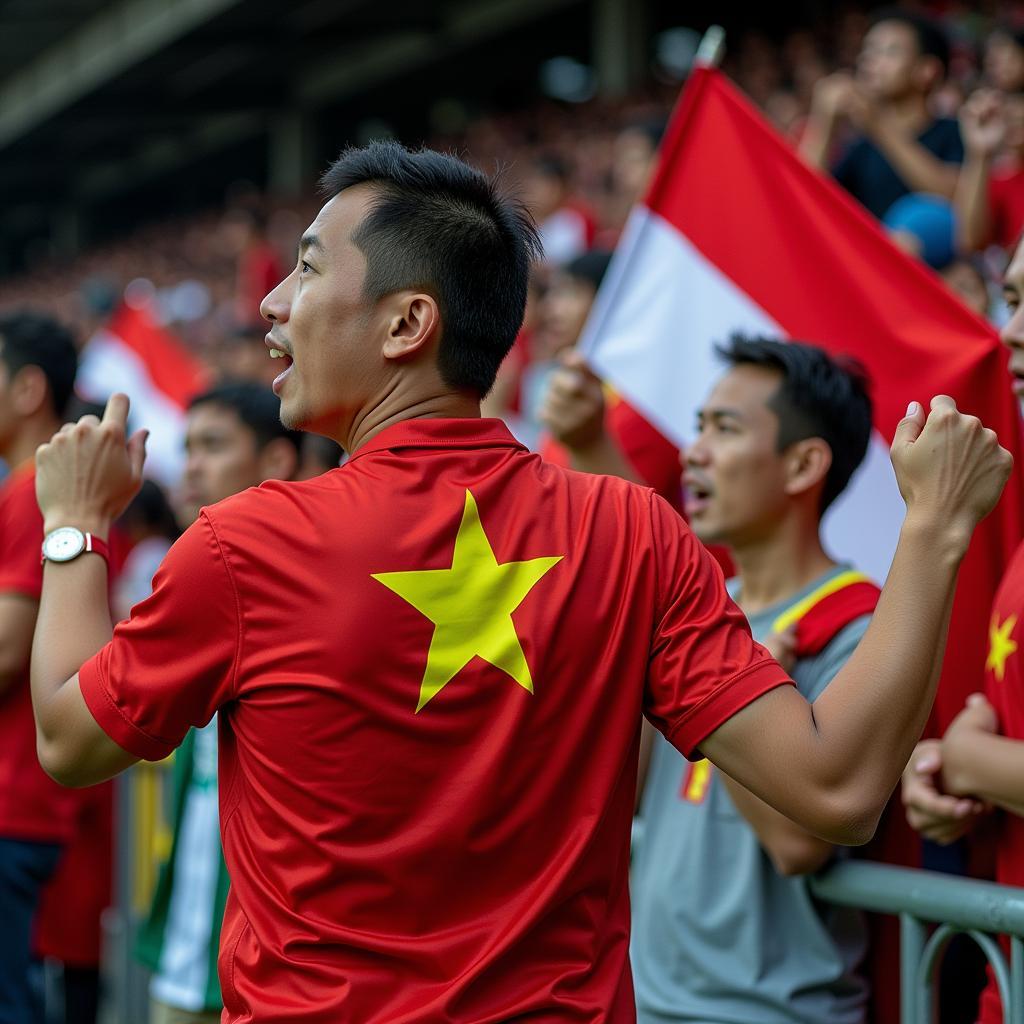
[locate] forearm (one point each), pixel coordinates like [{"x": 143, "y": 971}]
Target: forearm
[
  {"x": 792, "y": 849},
  {"x": 603, "y": 457},
  {"x": 73, "y": 624},
  {"x": 920, "y": 169},
  {"x": 872, "y": 714},
  {"x": 817, "y": 138},
  {"x": 988, "y": 767},
  {"x": 971, "y": 202}
]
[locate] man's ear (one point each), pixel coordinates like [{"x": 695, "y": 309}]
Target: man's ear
[
  {"x": 807, "y": 465},
  {"x": 414, "y": 323},
  {"x": 278, "y": 460},
  {"x": 29, "y": 390}
]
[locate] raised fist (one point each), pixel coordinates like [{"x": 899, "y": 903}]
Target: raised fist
[{"x": 950, "y": 468}]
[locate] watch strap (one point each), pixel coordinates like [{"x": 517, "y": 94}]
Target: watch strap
[{"x": 95, "y": 545}]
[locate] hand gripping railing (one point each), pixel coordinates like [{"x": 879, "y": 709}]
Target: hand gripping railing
[{"x": 920, "y": 898}]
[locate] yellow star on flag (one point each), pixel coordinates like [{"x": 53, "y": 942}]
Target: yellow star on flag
[
  {"x": 471, "y": 606},
  {"x": 1000, "y": 645}
]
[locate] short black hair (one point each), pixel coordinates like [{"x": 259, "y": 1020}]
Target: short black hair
[
  {"x": 255, "y": 405},
  {"x": 820, "y": 396},
  {"x": 589, "y": 266},
  {"x": 931, "y": 40},
  {"x": 442, "y": 226},
  {"x": 28, "y": 338}
]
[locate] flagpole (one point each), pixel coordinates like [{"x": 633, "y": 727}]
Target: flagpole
[{"x": 711, "y": 49}]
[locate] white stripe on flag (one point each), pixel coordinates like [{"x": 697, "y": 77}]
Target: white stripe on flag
[
  {"x": 109, "y": 365},
  {"x": 652, "y": 331}
]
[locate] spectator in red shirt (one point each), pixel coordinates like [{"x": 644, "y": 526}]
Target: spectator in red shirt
[
  {"x": 259, "y": 268},
  {"x": 978, "y": 765},
  {"x": 990, "y": 193},
  {"x": 37, "y": 372},
  {"x": 430, "y": 665}
]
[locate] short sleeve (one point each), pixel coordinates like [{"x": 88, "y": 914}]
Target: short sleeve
[
  {"x": 173, "y": 663},
  {"x": 21, "y": 538},
  {"x": 704, "y": 664}
]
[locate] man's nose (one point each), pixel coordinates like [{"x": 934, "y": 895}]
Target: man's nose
[
  {"x": 276, "y": 303},
  {"x": 695, "y": 454}
]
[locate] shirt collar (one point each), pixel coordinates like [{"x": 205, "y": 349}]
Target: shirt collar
[{"x": 463, "y": 432}]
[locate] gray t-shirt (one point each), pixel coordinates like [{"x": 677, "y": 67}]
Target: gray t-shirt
[{"x": 718, "y": 935}]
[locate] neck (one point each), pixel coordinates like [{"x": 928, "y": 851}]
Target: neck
[
  {"x": 440, "y": 404},
  {"x": 774, "y": 568},
  {"x": 31, "y": 434}
]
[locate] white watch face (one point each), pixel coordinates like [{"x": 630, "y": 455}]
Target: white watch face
[{"x": 64, "y": 544}]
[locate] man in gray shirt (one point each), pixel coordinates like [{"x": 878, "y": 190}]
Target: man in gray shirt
[{"x": 725, "y": 930}]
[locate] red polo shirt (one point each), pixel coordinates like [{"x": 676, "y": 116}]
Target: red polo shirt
[
  {"x": 430, "y": 666},
  {"x": 1004, "y": 687},
  {"x": 32, "y": 806}
]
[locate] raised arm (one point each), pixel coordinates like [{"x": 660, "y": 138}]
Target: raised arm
[
  {"x": 85, "y": 477},
  {"x": 983, "y": 128},
  {"x": 574, "y": 412},
  {"x": 831, "y": 765}
]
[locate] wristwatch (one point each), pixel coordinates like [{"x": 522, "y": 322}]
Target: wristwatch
[{"x": 68, "y": 542}]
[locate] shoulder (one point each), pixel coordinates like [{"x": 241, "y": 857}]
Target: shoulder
[{"x": 256, "y": 505}]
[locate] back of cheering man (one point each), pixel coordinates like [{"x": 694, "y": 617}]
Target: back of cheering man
[
  {"x": 779, "y": 438},
  {"x": 234, "y": 439},
  {"x": 430, "y": 664},
  {"x": 38, "y": 362}
]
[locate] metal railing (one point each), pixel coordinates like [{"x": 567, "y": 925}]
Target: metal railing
[{"x": 921, "y": 899}]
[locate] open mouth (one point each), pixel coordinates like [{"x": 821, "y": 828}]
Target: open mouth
[
  {"x": 288, "y": 362},
  {"x": 698, "y": 497}
]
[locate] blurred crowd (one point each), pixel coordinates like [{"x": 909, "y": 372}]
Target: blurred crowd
[{"x": 921, "y": 121}]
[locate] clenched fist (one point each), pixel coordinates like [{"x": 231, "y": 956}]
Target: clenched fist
[
  {"x": 950, "y": 468},
  {"x": 89, "y": 471},
  {"x": 573, "y": 408}
]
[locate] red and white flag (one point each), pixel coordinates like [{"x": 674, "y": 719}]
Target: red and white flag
[
  {"x": 738, "y": 234},
  {"x": 134, "y": 354}
]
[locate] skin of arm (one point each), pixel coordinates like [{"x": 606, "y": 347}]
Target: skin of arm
[
  {"x": 791, "y": 849},
  {"x": 938, "y": 816},
  {"x": 85, "y": 477},
  {"x": 920, "y": 169},
  {"x": 971, "y": 201},
  {"x": 830, "y": 766},
  {"x": 17, "y": 620},
  {"x": 830, "y": 97},
  {"x": 983, "y": 129},
  {"x": 979, "y": 763}
]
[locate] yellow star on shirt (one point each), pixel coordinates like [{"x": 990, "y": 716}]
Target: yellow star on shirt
[
  {"x": 1001, "y": 646},
  {"x": 471, "y": 606}
]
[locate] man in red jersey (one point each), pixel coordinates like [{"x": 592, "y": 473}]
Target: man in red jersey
[
  {"x": 37, "y": 372},
  {"x": 430, "y": 665},
  {"x": 978, "y": 765}
]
